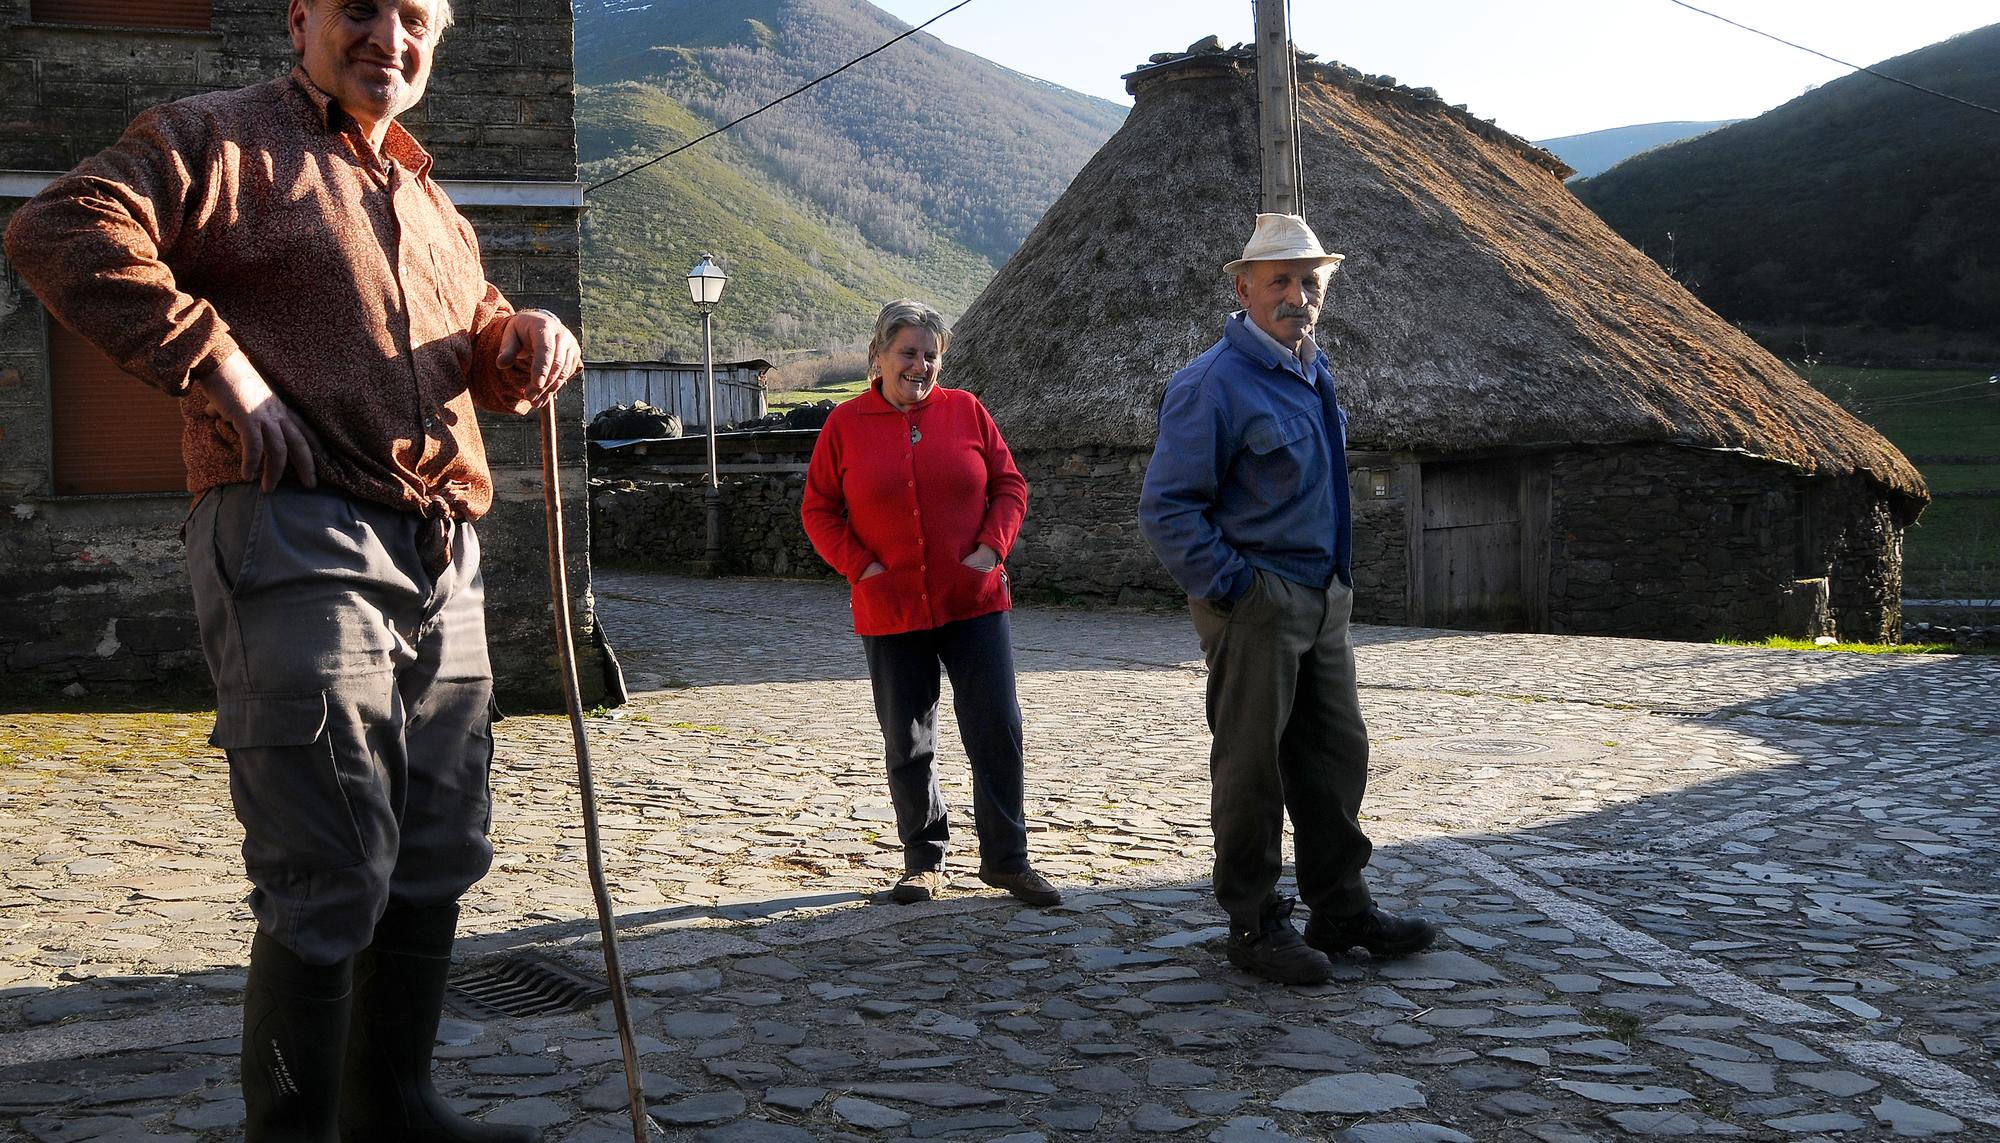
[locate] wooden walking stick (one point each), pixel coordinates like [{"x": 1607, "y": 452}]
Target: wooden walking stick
[{"x": 643, "y": 1127}]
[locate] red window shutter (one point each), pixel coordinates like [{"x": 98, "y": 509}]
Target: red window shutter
[
  {"x": 123, "y": 13},
  {"x": 113, "y": 432}
]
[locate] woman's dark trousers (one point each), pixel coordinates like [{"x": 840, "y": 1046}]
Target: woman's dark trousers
[{"x": 978, "y": 656}]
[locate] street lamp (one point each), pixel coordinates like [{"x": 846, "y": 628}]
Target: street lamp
[{"x": 705, "y": 284}]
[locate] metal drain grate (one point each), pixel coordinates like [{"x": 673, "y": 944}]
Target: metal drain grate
[{"x": 525, "y": 984}]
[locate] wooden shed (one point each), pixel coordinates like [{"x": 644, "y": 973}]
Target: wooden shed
[{"x": 678, "y": 387}]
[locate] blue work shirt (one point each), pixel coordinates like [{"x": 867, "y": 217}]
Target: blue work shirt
[{"x": 1250, "y": 470}]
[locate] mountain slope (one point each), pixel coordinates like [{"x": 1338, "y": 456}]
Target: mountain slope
[
  {"x": 798, "y": 277},
  {"x": 918, "y": 171},
  {"x": 1863, "y": 217},
  {"x": 1595, "y": 152}
]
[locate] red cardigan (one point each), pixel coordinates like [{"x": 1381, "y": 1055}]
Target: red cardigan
[{"x": 916, "y": 491}]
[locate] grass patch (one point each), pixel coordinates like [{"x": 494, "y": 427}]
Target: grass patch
[
  {"x": 1925, "y": 412},
  {"x": 106, "y": 738},
  {"x": 836, "y": 391},
  {"x": 1947, "y": 421},
  {"x": 1786, "y": 643},
  {"x": 1623, "y": 1027}
]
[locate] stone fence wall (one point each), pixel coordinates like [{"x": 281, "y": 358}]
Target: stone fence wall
[
  {"x": 662, "y": 522},
  {"x": 649, "y": 503},
  {"x": 1655, "y": 542}
]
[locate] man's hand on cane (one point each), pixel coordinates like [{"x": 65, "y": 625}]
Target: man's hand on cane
[{"x": 553, "y": 356}]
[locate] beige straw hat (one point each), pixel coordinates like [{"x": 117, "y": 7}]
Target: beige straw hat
[{"x": 1282, "y": 238}]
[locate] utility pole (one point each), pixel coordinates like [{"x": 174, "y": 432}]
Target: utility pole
[{"x": 1278, "y": 108}]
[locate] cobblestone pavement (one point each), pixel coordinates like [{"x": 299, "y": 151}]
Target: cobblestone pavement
[{"x": 1687, "y": 891}]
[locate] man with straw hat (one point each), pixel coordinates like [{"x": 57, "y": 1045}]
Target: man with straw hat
[{"x": 1246, "y": 503}]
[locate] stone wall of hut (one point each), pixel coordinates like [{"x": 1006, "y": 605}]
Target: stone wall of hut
[
  {"x": 1696, "y": 544},
  {"x": 1081, "y": 538},
  {"x": 1080, "y": 541},
  {"x": 1668, "y": 543},
  {"x": 1861, "y": 545}
]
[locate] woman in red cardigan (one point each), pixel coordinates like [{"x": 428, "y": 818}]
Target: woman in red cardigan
[{"x": 913, "y": 496}]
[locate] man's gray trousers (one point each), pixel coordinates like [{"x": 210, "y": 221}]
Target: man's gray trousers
[
  {"x": 354, "y": 701},
  {"x": 1288, "y": 736}
]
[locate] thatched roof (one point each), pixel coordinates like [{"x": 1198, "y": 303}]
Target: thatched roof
[{"x": 1481, "y": 307}]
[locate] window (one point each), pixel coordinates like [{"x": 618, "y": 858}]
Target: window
[
  {"x": 123, "y": 13},
  {"x": 113, "y": 432}
]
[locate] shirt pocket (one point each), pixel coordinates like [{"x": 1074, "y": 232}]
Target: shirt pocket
[{"x": 1285, "y": 455}]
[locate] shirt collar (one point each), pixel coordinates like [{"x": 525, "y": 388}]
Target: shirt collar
[
  {"x": 397, "y": 143},
  {"x": 880, "y": 404},
  {"x": 1308, "y": 349}
]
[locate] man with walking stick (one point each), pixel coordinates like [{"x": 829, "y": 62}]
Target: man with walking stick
[{"x": 280, "y": 259}]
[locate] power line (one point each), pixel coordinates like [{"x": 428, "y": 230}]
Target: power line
[
  {"x": 795, "y": 91},
  {"x": 1841, "y": 62},
  {"x": 1933, "y": 395}
]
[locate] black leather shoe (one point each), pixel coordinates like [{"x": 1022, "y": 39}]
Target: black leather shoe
[
  {"x": 1381, "y": 932},
  {"x": 1275, "y": 952}
]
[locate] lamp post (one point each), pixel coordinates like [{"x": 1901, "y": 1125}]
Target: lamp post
[{"x": 705, "y": 284}]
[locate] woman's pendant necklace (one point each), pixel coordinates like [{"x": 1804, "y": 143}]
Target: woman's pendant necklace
[{"x": 915, "y": 434}]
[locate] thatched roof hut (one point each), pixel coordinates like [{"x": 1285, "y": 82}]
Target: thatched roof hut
[
  {"x": 1482, "y": 309},
  {"x": 1481, "y": 305}
]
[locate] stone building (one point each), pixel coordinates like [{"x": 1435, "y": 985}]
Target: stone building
[
  {"x": 1547, "y": 432},
  {"x": 90, "y": 479}
]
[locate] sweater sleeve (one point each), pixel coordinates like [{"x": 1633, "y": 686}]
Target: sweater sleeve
[
  {"x": 824, "y": 509},
  {"x": 1006, "y": 488},
  {"x": 95, "y": 246}
]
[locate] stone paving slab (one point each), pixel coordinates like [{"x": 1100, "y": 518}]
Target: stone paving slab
[{"x": 1687, "y": 891}]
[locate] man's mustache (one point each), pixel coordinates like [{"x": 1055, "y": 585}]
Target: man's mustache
[{"x": 1287, "y": 310}]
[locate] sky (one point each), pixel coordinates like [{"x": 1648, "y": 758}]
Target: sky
[{"x": 1539, "y": 68}]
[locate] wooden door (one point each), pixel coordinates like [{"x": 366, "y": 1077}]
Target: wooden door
[{"x": 1471, "y": 559}]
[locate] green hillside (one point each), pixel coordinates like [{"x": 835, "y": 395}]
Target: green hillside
[
  {"x": 916, "y": 172},
  {"x": 798, "y": 278},
  {"x": 1861, "y": 220}
]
